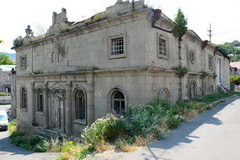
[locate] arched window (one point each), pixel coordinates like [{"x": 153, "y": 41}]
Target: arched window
[
  {"x": 40, "y": 100},
  {"x": 80, "y": 105},
  {"x": 23, "y": 98},
  {"x": 118, "y": 103},
  {"x": 165, "y": 95},
  {"x": 193, "y": 90}
]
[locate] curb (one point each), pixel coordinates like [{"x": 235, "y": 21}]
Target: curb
[{"x": 224, "y": 99}]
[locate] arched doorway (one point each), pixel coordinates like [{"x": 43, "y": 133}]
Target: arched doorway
[{"x": 193, "y": 90}]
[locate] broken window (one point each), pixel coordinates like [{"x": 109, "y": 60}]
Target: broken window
[
  {"x": 80, "y": 105},
  {"x": 210, "y": 62},
  {"x": 23, "y": 62},
  {"x": 162, "y": 47},
  {"x": 118, "y": 103},
  {"x": 23, "y": 98},
  {"x": 40, "y": 100}
]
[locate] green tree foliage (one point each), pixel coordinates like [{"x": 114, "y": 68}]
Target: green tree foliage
[
  {"x": 231, "y": 49},
  {"x": 179, "y": 30},
  {"x": 4, "y": 60},
  {"x": 235, "y": 80},
  {"x": 181, "y": 25},
  {"x": 1, "y": 41}
]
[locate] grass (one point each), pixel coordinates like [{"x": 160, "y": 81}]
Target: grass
[{"x": 215, "y": 97}]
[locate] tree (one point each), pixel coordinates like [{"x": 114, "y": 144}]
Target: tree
[
  {"x": 1, "y": 41},
  {"x": 4, "y": 60},
  {"x": 181, "y": 25},
  {"x": 179, "y": 30}
]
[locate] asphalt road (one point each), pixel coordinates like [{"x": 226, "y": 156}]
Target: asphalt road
[
  {"x": 9, "y": 151},
  {"x": 214, "y": 135}
]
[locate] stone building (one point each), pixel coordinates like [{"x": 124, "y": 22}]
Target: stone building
[
  {"x": 5, "y": 82},
  {"x": 80, "y": 71}
]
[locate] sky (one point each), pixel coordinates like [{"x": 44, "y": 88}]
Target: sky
[{"x": 15, "y": 15}]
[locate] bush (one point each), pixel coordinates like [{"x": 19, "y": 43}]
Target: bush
[
  {"x": 12, "y": 126},
  {"x": 107, "y": 128},
  {"x": 141, "y": 120}
]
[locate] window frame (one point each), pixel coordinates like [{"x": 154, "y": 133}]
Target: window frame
[
  {"x": 194, "y": 91},
  {"x": 113, "y": 100},
  {"x": 23, "y": 62},
  {"x": 210, "y": 62},
  {"x": 76, "y": 119},
  {"x": 166, "y": 90},
  {"x": 165, "y": 38},
  {"x": 192, "y": 56},
  {"x": 38, "y": 101},
  {"x": 23, "y": 99},
  {"x": 116, "y": 36}
]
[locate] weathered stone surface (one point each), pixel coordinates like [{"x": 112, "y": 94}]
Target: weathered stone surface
[{"x": 80, "y": 58}]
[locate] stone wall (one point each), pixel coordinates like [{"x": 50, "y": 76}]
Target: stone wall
[{"x": 80, "y": 58}]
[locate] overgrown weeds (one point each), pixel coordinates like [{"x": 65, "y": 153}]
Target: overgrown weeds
[{"x": 139, "y": 126}]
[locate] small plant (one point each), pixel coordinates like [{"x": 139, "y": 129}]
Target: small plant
[
  {"x": 181, "y": 71},
  {"x": 125, "y": 146},
  {"x": 119, "y": 13},
  {"x": 98, "y": 18},
  {"x": 12, "y": 127},
  {"x": 18, "y": 42},
  {"x": 37, "y": 72},
  {"x": 203, "y": 74}
]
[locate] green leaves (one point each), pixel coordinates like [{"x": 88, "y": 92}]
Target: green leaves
[
  {"x": 235, "y": 80},
  {"x": 17, "y": 42},
  {"x": 181, "y": 25},
  {"x": 4, "y": 60}
]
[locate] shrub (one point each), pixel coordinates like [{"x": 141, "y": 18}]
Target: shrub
[
  {"x": 173, "y": 122},
  {"x": 141, "y": 120},
  {"x": 12, "y": 127},
  {"x": 107, "y": 128}
]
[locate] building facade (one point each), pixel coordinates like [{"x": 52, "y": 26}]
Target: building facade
[
  {"x": 80, "y": 71},
  {"x": 5, "y": 82}
]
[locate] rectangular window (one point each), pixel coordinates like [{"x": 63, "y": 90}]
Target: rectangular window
[
  {"x": 117, "y": 46},
  {"x": 210, "y": 62},
  {"x": 23, "y": 62},
  {"x": 162, "y": 47}
]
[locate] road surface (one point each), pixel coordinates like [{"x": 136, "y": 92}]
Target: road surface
[
  {"x": 9, "y": 151},
  {"x": 214, "y": 135}
]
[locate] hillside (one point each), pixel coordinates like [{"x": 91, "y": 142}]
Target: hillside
[
  {"x": 11, "y": 56},
  {"x": 232, "y": 49}
]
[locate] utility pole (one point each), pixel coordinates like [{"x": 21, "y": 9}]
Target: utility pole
[{"x": 210, "y": 33}]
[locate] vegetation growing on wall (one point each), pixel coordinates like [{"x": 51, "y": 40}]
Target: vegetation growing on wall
[
  {"x": 180, "y": 27},
  {"x": 17, "y": 42},
  {"x": 179, "y": 30},
  {"x": 181, "y": 71}
]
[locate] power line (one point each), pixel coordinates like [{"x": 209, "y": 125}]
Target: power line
[{"x": 227, "y": 31}]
